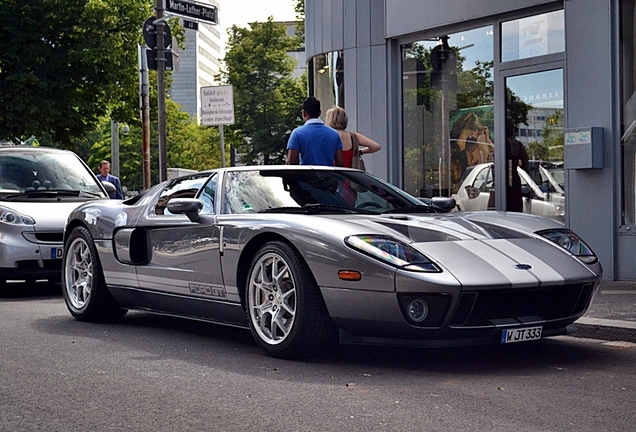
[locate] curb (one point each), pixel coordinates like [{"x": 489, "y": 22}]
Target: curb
[{"x": 611, "y": 330}]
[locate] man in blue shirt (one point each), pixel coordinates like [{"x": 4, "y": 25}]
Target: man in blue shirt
[
  {"x": 104, "y": 170},
  {"x": 314, "y": 143}
]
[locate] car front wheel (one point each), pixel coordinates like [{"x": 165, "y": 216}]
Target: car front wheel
[
  {"x": 285, "y": 309},
  {"x": 83, "y": 284}
]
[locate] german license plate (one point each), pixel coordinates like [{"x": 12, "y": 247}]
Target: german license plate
[
  {"x": 521, "y": 335},
  {"x": 56, "y": 253}
]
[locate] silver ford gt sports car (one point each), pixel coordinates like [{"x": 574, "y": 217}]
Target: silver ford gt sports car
[{"x": 308, "y": 256}]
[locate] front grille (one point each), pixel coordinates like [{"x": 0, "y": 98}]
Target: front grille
[
  {"x": 33, "y": 265},
  {"x": 481, "y": 308}
]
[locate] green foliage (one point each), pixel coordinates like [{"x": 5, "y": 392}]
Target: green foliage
[
  {"x": 267, "y": 98},
  {"x": 299, "y": 8},
  {"x": 188, "y": 145},
  {"x": 550, "y": 148},
  {"x": 64, "y": 65}
]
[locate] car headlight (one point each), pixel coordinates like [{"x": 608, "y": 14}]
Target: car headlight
[
  {"x": 393, "y": 252},
  {"x": 571, "y": 243},
  {"x": 9, "y": 216}
]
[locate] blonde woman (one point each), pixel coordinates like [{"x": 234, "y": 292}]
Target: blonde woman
[{"x": 336, "y": 117}]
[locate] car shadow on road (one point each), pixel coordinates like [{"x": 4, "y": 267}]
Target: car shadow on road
[
  {"x": 232, "y": 349},
  {"x": 19, "y": 291}
]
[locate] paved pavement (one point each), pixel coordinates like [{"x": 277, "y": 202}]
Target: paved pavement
[{"x": 612, "y": 315}]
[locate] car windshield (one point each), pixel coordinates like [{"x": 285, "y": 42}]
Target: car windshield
[
  {"x": 314, "y": 191},
  {"x": 38, "y": 172}
]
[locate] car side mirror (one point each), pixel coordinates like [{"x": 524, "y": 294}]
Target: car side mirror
[
  {"x": 110, "y": 188},
  {"x": 472, "y": 192},
  {"x": 526, "y": 192},
  {"x": 443, "y": 203},
  {"x": 187, "y": 206}
]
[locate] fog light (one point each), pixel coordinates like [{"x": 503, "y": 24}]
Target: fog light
[{"x": 418, "y": 310}]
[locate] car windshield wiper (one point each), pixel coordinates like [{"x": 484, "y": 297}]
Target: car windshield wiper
[
  {"x": 43, "y": 193},
  {"x": 89, "y": 193},
  {"x": 412, "y": 209},
  {"x": 313, "y": 209},
  {"x": 50, "y": 193}
]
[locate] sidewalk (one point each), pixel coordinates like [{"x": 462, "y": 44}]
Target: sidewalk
[{"x": 612, "y": 314}]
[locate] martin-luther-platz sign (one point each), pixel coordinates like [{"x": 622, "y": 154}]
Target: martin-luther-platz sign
[{"x": 194, "y": 11}]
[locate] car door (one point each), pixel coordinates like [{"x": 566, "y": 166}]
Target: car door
[
  {"x": 479, "y": 192},
  {"x": 184, "y": 255}
]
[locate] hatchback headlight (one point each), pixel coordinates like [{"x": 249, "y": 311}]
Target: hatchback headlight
[
  {"x": 393, "y": 252},
  {"x": 571, "y": 243},
  {"x": 9, "y": 216}
]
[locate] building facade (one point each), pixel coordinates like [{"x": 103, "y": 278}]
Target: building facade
[{"x": 435, "y": 82}]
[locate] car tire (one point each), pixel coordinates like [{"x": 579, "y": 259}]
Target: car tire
[
  {"x": 83, "y": 284},
  {"x": 286, "y": 312}
]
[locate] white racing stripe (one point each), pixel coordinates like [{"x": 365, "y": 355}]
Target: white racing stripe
[{"x": 504, "y": 255}]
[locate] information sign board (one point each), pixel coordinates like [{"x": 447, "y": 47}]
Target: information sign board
[{"x": 217, "y": 105}]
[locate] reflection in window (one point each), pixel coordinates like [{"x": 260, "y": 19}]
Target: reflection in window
[
  {"x": 207, "y": 195},
  {"x": 183, "y": 187},
  {"x": 533, "y": 36},
  {"x": 327, "y": 79},
  {"x": 534, "y": 103},
  {"x": 448, "y": 114},
  {"x": 628, "y": 103}
]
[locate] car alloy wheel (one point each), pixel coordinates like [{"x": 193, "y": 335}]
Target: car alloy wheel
[
  {"x": 85, "y": 291},
  {"x": 79, "y": 273},
  {"x": 285, "y": 309},
  {"x": 272, "y": 302}
]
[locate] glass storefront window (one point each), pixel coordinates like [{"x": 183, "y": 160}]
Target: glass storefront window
[
  {"x": 534, "y": 104},
  {"x": 628, "y": 104},
  {"x": 327, "y": 79},
  {"x": 448, "y": 115},
  {"x": 533, "y": 36}
]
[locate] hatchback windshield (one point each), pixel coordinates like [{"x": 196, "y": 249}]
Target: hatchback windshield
[{"x": 29, "y": 171}]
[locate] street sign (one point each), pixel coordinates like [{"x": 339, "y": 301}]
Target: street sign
[
  {"x": 150, "y": 33},
  {"x": 151, "y": 56},
  {"x": 217, "y": 105},
  {"x": 190, "y": 25},
  {"x": 195, "y": 11}
]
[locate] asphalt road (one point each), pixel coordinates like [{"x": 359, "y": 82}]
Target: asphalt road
[{"x": 153, "y": 373}]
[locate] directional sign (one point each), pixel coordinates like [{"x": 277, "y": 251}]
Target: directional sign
[{"x": 195, "y": 11}]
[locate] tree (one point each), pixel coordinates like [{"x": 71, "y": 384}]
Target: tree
[
  {"x": 550, "y": 148},
  {"x": 188, "y": 145},
  {"x": 299, "y": 8},
  {"x": 64, "y": 65},
  {"x": 267, "y": 98}
]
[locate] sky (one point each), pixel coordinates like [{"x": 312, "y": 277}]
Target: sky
[{"x": 243, "y": 12}]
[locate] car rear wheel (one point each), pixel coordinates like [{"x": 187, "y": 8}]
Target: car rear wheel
[
  {"x": 83, "y": 284},
  {"x": 285, "y": 309}
]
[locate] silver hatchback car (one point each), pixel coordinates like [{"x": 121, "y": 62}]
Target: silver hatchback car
[{"x": 39, "y": 187}]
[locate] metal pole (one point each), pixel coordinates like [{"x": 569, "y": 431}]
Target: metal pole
[
  {"x": 144, "y": 96},
  {"x": 222, "y": 146},
  {"x": 161, "y": 90},
  {"x": 114, "y": 148}
]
